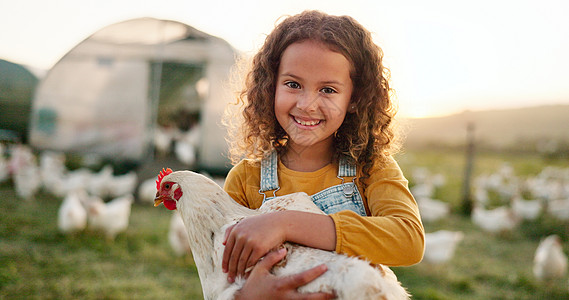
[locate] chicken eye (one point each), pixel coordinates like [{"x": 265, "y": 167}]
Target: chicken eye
[{"x": 167, "y": 186}]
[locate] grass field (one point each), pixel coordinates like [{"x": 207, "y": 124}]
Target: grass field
[{"x": 37, "y": 262}]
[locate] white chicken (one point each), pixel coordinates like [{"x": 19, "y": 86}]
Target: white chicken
[
  {"x": 147, "y": 190},
  {"x": 121, "y": 185},
  {"x": 423, "y": 190},
  {"x": 500, "y": 219},
  {"x": 72, "y": 180},
  {"x": 112, "y": 217},
  {"x": 549, "y": 262},
  {"x": 52, "y": 170},
  {"x": 559, "y": 208},
  {"x": 207, "y": 210},
  {"x": 186, "y": 145},
  {"x": 163, "y": 138},
  {"x": 20, "y": 157},
  {"x": 432, "y": 209},
  {"x": 440, "y": 246},
  {"x": 526, "y": 209},
  {"x": 72, "y": 216},
  {"x": 25, "y": 173},
  {"x": 98, "y": 184},
  {"x": 27, "y": 181},
  {"x": 177, "y": 235}
]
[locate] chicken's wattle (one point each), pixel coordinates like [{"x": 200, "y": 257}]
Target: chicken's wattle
[{"x": 170, "y": 204}]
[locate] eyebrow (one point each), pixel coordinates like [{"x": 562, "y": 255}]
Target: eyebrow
[{"x": 321, "y": 82}]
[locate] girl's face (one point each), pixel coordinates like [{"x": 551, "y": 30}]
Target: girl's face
[{"x": 313, "y": 92}]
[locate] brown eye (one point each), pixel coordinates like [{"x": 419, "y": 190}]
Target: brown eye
[{"x": 167, "y": 186}]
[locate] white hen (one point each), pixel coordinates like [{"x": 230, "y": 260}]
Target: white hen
[
  {"x": 440, "y": 246},
  {"x": 526, "y": 209},
  {"x": 72, "y": 216},
  {"x": 500, "y": 219},
  {"x": 207, "y": 210},
  {"x": 432, "y": 209},
  {"x": 186, "y": 146},
  {"x": 124, "y": 184},
  {"x": 52, "y": 170},
  {"x": 99, "y": 182},
  {"x": 549, "y": 262},
  {"x": 112, "y": 217},
  {"x": 27, "y": 181},
  {"x": 147, "y": 190},
  {"x": 559, "y": 208}
]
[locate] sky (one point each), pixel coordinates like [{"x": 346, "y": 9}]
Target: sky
[{"x": 445, "y": 56}]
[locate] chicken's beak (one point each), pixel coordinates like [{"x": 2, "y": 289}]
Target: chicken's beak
[{"x": 159, "y": 199}]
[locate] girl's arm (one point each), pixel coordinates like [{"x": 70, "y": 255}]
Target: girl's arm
[
  {"x": 249, "y": 240},
  {"x": 394, "y": 234}
]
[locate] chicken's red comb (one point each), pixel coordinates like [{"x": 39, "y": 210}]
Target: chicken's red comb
[{"x": 161, "y": 175}]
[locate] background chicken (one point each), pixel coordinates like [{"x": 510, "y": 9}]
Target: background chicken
[
  {"x": 207, "y": 211},
  {"x": 163, "y": 139},
  {"x": 72, "y": 216},
  {"x": 25, "y": 172},
  {"x": 549, "y": 262},
  {"x": 440, "y": 246},
  {"x": 432, "y": 209},
  {"x": 500, "y": 219},
  {"x": 186, "y": 145},
  {"x": 146, "y": 191},
  {"x": 112, "y": 217},
  {"x": 526, "y": 209},
  {"x": 52, "y": 170},
  {"x": 121, "y": 185}
]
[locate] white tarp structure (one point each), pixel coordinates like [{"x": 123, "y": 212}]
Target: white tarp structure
[{"x": 107, "y": 95}]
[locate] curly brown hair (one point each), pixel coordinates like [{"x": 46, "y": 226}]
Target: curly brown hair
[{"x": 366, "y": 135}]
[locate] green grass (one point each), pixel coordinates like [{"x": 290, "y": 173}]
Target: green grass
[
  {"x": 485, "y": 266},
  {"x": 37, "y": 262},
  {"x": 40, "y": 263}
]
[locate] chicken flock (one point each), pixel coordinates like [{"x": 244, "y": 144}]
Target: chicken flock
[
  {"x": 97, "y": 201},
  {"x": 101, "y": 201},
  {"x": 502, "y": 201}
]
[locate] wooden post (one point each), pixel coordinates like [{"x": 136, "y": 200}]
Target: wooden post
[{"x": 466, "y": 184}]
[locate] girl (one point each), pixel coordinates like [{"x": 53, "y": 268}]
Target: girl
[{"x": 317, "y": 118}]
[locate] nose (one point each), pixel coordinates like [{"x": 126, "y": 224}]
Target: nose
[{"x": 307, "y": 101}]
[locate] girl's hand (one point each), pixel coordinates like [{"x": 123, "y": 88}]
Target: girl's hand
[
  {"x": 261, "y": 284},
  {"x": 249, "y": 240}
]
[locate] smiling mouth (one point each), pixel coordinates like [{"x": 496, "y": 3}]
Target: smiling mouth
[{"x": 306, "y": 123}]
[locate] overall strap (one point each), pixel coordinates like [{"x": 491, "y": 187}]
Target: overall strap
[
  {"x": 269, "y": 178},
  {"x": 347, "y": 169}
]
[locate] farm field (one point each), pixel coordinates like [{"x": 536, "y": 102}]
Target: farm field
[{"x": 37, "y": 262}]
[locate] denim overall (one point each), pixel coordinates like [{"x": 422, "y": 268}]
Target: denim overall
[{"x": 344, "y": 196}]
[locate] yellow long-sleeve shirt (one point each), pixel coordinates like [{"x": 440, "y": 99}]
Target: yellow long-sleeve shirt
[{"x": 392, "y": 234}]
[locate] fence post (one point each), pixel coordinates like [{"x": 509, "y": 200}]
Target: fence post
[{"x": 466, "y": 208}]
